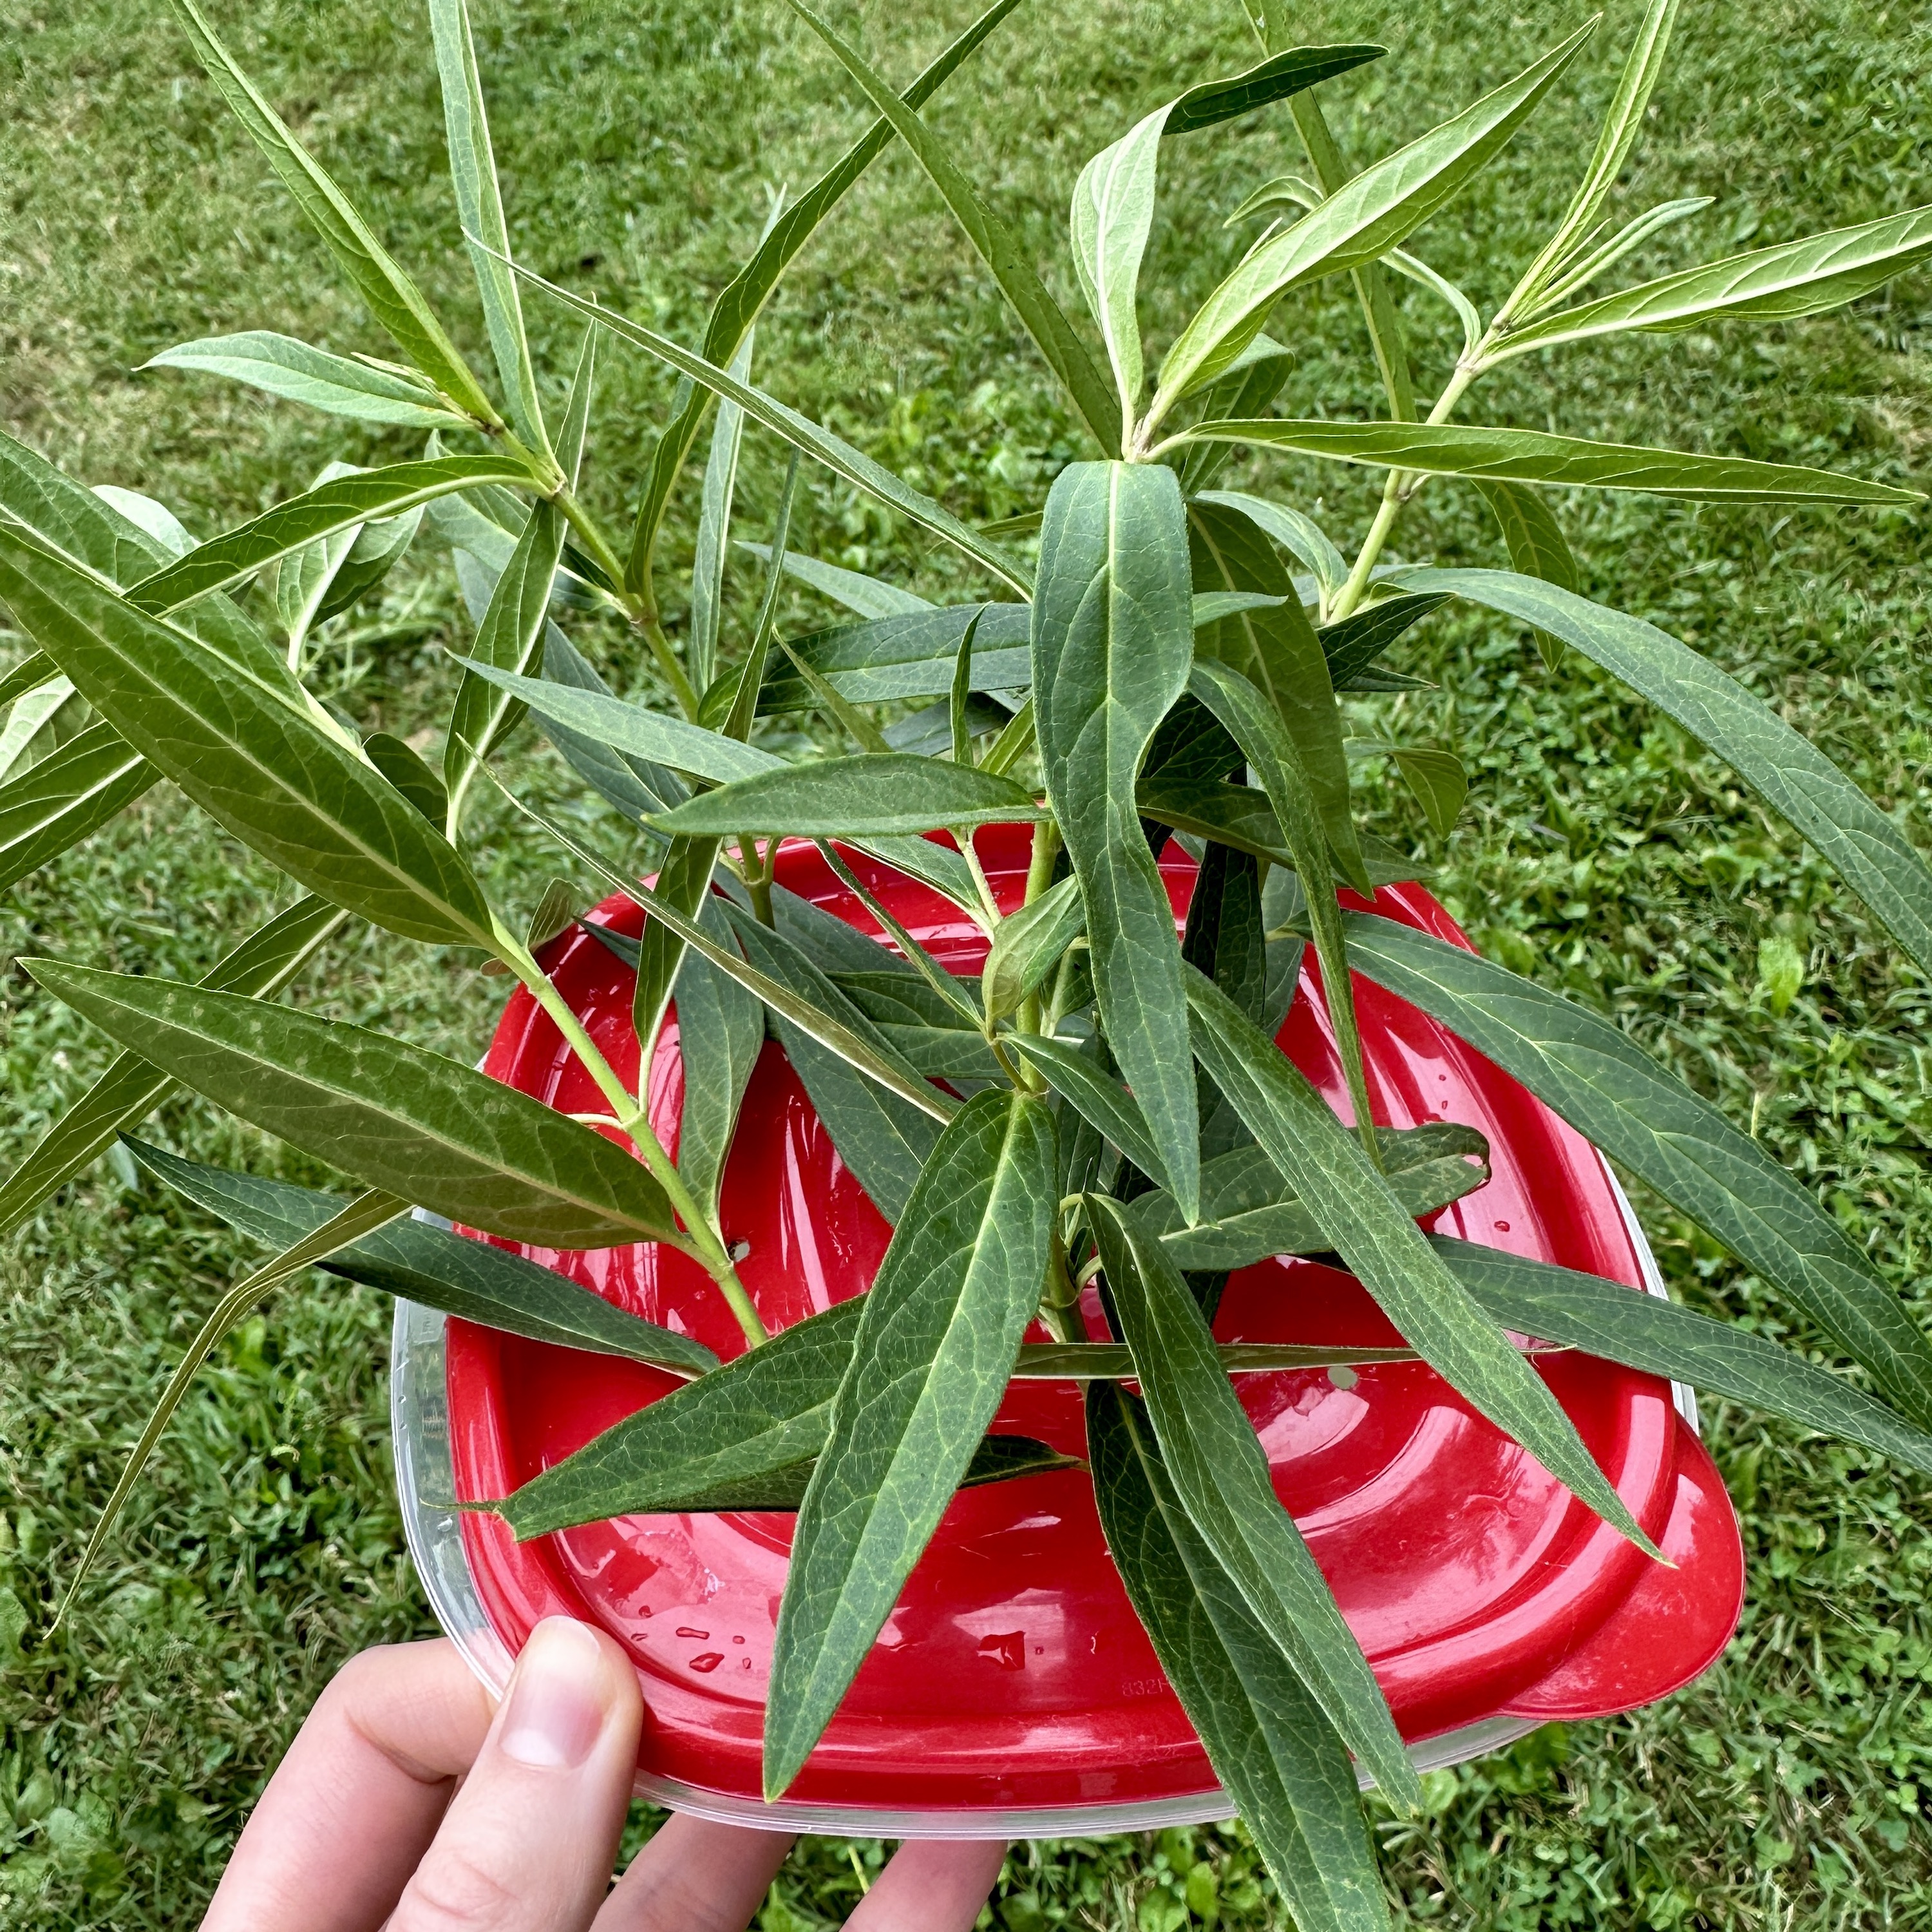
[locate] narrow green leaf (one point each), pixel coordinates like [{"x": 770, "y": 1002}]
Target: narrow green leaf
[
  {"x": 1247, "y": 1217},
  {"x": 361, "y": 497},
  {"x": 553, "y": 915},
  {"x": 909, "y": 655},
  {"x": 1277, "y": 651},
  {"x": 1797, "y": 278},
  {"x": 1783, "y": 767},
  {"x": 281, "y": 366},
  {"x": 1617, "y": 136},
  {"x": 870, "y": 597},
  {"x": 81, "y": 525},
  {"x": 767, "y": 1412},
  {"x": 1245, "y": 716},
  {"x": 1538, "y": 548},
  {"x": 1112, "y": 216},
  {"x": 1299, "y": 535},
  {"x": 33, "y": 671},
  {"x": 738, "y": 303},
  {"x": 838, "y": 455},
  {"x": 1530, "y": 456},
  {"x": 66, "y": 797},
  {"x": 512, "y": 637},
  {"x": 404, "y": 769},
  {"x": 1247, "y": 387},
  {"x": 360, "y": 1216},
  {"x": 866, "y": 795},
  {"x": 878, "y": 1108},
  {"x": 1113, "y": 638},
  {"x": 1438, "y": 781},
  {"x": 1211, "y": 102},
  {"x": 1097, "y": 1097},
  {"x": 1027, "y": 945},
  {"x": 714, "y": 527},
  {"x": 652, "y": 736},
  {"x": 1266, "y": 1737},
  {"x": 1327, "y": 1168},
  {"x": 721, "y": 1032},
  {"x": 1643, "y": 1331},
  {"x": 1600, "y": 260},
  {"x": 391, "y": 297},
  {"x": 479, "y": 205},
  {"x": 636, "y": 787},
  {"x": 1044, "y": 320},
  {"x": 131, "y": 1089},
  {"x": 683, "y": 882},
  {"x": 1380, "y": 207},
  {"x": 936, "y": 1337},
  {"x": 1586, "y": 1068},
  {"x": 1356, "y": 641},
  {"x": 1215, "y": 1462},
  {"x": 824, "y": 1020},
  {"x": 474, "y": 1280},
  {"x": 1112, "y": 1362},
  {"x": 462, "y": 1144},
  {"x": 271, "y": 775}
]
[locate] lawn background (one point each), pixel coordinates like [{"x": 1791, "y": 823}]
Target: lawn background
[{"x": 1599, "y": 851}]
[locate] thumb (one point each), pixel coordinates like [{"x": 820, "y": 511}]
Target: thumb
[{"x": 528, "y": 1843}]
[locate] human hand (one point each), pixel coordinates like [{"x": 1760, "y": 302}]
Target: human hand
[{"x": 407, "y": 1803}]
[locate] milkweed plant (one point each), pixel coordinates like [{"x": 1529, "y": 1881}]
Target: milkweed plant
[{"x": 1170, "y": 665}]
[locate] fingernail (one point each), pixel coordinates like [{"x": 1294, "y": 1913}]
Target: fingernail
[{"x": 558, "y": 1699}]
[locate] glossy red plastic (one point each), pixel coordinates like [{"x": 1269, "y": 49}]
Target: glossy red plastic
[{"x": 1013, "y": 1674}]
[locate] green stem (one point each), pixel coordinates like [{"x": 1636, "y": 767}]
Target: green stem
[
  {"x": 1039, "y": 876},
  {"x": 702, "y": 1242},
  {"x": 988, "y": 905},
  {"x": 1400, "y": 486},
  {"x": 756, "y": 874}
]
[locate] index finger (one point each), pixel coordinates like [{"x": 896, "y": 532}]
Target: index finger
[{"x": 352, "y": 1808}]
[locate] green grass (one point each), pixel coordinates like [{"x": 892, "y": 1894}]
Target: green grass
[{"x": 1600, "y": 850}]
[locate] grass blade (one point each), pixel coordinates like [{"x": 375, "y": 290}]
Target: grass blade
[{"x": 936, "y": 1337}]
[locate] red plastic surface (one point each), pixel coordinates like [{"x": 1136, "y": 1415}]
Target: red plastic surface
[{"x": 1013, "y": 1672}]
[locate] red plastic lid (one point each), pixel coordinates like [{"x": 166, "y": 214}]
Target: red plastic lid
[{"x": 1013, "y": 1673}]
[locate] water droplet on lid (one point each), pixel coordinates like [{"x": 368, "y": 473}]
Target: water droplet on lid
[
  {"x": 1502, "y": 1227},
  {"x": 1007, "y": 1648},
  {"x": 737, "y": 1639},
  {"x": 684, "y": 1629},
  {"x": 709, "y": 1661}
]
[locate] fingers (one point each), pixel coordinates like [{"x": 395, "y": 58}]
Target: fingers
[
  {"x": 527, "y": 1844},
  {"x": 354, "y": 1803},
  {"x": 932, "y": 1885},
  {"x": 695, "y": 1877}
]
